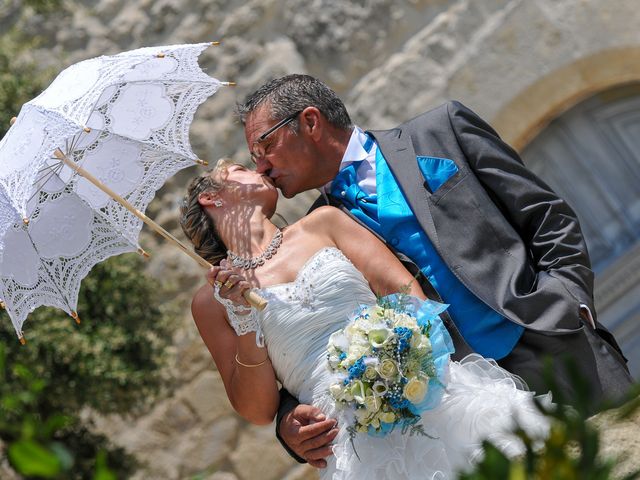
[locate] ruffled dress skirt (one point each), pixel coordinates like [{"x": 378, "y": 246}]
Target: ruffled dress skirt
[{"x": 482, "y": 401}]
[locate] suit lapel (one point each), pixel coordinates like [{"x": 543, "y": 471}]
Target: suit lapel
[{"x": 401, "y": 158}]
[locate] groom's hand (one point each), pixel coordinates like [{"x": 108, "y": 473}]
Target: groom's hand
[{"x": 307, "y": 432}]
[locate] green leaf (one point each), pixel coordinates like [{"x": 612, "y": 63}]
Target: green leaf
[
  {"x": 30, "y": 458},
  {"x": 102, "y": 470},
  {"x": 54, "y": 423}
]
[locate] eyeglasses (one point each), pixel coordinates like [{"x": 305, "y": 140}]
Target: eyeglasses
[{"x": 258, "y": 150}]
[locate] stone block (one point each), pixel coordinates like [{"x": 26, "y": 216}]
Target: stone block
[
  {"x": 302, "y": 472},
  {"x": 176, "y": 418},
  {"x": 193, "y": 358},
  {"x": 209, "y": 447},
  {"x": 259, "y": 455},
  {"x": 162, "y": 464},
  {"x": 207, "y": 397}
]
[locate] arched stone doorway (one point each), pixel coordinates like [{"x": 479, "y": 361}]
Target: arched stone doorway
[{"x": 590, "y": 155}]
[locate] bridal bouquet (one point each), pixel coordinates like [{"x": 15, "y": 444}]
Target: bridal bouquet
[{"x": 389, "y": 363}]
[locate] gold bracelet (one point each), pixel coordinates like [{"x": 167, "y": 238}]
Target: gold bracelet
[{"x": 251, "y": 366}]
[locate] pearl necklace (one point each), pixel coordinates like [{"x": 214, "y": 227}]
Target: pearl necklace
[{"x": 255, "y": 262}]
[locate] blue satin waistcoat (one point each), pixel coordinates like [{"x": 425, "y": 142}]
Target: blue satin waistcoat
[{"x": 389, "y": 215}]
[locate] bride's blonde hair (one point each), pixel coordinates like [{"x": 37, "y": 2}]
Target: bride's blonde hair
[{"x": 196, "y": 224}]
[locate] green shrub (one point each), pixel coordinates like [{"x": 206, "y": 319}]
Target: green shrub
[
  {"x": 49, "y": 445},
  {"x": 20, "y": 80},
  {"x": 44, "y": 6},
  {"x": 112, "y": 362}
]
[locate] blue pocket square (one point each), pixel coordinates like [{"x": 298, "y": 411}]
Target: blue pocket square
[{"x": 436, "y": 171}]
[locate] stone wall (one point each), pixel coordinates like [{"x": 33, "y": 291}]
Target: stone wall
[{"x": 389, "y": 60}]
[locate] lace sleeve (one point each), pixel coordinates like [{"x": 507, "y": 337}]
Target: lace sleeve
[{"x": 242, "y": 319}]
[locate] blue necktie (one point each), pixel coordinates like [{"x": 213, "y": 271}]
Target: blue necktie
[{"x": 345, "y": 188}]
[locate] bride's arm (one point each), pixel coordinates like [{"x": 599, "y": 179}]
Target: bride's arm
[
  {"x": 252, "y": 391},
  {"x": 384, "y": 272}
]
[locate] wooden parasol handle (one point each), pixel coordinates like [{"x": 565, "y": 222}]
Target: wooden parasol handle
[{"x": 252, "y": 297}]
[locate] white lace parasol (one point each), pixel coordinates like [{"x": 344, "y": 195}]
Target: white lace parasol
[{"x": 124, "y": 119}]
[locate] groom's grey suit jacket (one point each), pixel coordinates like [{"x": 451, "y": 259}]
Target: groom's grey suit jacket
[
  {"x": 500, "y": 229},
  {"x": 503, "y": 232}
]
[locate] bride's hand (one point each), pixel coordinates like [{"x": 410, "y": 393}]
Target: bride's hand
[{"x": 232, "y": 284}]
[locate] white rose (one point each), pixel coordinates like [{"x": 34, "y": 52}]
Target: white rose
[
  {"x": 370, "y": 373},
  {"x": 350, "y": 330},
  {"x": 336, "y": 391},
  {"x": 415, "y": 390},
  {"x": 388, "y": 369},
  {"x": 425, "y": 344},
  {"x": 366, "y": 320},
  {"x": 416, "y": 338},
  {"x": 355, "y": 352},
  {"x": 387, "y": 417},
  {"x": 404, "y": 320},
  {"x": 372, "y": 403}
]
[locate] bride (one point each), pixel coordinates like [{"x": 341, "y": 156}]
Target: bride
[{"x": 314, "y": 274}]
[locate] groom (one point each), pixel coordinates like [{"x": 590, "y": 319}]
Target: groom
[{"x": 459, "y": 208}]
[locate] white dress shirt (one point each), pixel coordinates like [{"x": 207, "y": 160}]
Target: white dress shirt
[{"x": 355, "y": 152}]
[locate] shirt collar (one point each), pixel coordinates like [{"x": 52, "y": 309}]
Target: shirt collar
[
  {"x": 355, "y": 148},
  {"x": 354, "y": 153}
]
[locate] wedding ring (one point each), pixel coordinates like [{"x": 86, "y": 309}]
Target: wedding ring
[
  {"x": 228, "y": 284},
  {"x": 217, "y": 283}
]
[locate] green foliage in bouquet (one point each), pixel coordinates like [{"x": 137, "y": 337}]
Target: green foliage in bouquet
[
  {"x": 571, "y": 452},
  {"x": 112, "y": 362}
]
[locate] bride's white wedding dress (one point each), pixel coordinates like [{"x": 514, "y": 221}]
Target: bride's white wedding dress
[{"x": 481, "y": 399}]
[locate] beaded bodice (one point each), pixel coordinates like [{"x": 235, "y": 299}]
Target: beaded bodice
[{"x": 302, "y": 314}]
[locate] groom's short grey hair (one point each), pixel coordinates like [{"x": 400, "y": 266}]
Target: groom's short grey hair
[{"x": 291, "y": 93}]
